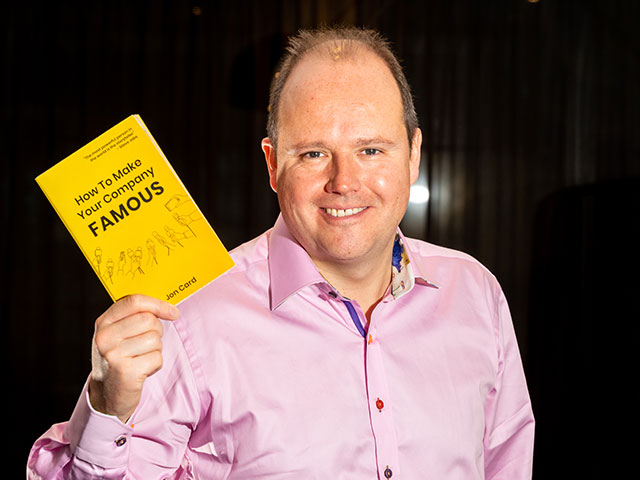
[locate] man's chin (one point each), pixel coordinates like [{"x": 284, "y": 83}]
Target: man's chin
[{"x": 344, "y": 254}]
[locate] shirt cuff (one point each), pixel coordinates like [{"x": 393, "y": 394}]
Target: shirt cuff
[{"x": 97, "y": 438}]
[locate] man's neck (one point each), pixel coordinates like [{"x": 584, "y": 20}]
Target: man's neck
[{"x": 365, "y": 282}]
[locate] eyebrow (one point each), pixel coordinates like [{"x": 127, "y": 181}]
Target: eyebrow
[
  {"x": 362, "y": 142},
  {"x": 375, "y": 141},
  {"x": 305, "y": 146}
]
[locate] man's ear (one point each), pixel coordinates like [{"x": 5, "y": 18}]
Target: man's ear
[
  {"x": 414, "y": 155},
  {"x": 270, "y": 156}
]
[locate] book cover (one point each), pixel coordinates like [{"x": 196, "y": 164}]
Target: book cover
[{"x": 132, "y": 217}]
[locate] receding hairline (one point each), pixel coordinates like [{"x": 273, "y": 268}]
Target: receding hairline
[
  {"x": 337, "y": 49},
  {"x": 353, "y": 54}
]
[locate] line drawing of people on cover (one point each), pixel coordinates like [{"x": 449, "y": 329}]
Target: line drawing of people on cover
[
  {"x": 163, "y": 242},
  {"x": 131, "y": 259},
  {"x": 175, "y": 236},
  {"x": 186, "y": 220},
  {"x": 130, "y": 254},
  {"x": 134, "y": 264},
  {"x": 97, "y": 254},
  {"x": 137, "y": 262},
  {"x": 151, "y": 248},
  {"x": 110, "y": 270},
  {"x": 122, "y": 262},
  {"x": 184, "y": 211}
]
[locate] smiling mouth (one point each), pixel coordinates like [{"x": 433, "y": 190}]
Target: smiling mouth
[{"x": 343, "y": 213}]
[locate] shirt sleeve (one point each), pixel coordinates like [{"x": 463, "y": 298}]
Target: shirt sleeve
[
  {"x": 152, "y": 445},
  {"x": 509, "y": 427}
]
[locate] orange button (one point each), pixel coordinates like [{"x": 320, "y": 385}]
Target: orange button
[{"x": 379, "y": 404}]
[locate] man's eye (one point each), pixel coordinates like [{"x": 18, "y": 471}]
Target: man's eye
[
  {"x": 371, "y": 151},
  {"x": 313, "y": 155}
]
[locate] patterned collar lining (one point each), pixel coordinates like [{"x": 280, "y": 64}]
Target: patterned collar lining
[{"x": 401, "y": 272}]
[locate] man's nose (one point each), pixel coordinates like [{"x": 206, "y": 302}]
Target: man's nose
[{"x": 345, "y": 175}]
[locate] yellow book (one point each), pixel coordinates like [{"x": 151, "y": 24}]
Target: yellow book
[{"x": 133, "y": 218}]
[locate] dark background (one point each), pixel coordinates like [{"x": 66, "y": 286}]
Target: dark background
[{"x": 530, "y": 113}]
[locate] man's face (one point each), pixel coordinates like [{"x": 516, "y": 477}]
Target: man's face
[{"x": 343, "y": 166}]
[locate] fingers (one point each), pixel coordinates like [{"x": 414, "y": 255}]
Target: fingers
[
  {"x": 133, "y": 304},
  {"x": 128, "y": 372},
  {"x": 111, "y": 334},
  {"x": 146, "y": 342},
  {"x": 149, "y": 363}
]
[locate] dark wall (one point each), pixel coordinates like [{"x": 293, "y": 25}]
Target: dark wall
[{"x": 530, "y": 113}]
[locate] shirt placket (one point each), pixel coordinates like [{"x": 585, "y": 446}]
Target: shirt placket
[
  {"x": 379, "y": 399},
  {"x": 380, "y": 409}
]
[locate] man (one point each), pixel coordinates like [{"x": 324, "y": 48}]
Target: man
[{"x": 335, "y": 348}]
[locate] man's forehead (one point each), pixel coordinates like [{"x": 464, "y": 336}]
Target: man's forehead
[
  {"x": 328, "y": 104},
  {"x": 332, "y": 60}
]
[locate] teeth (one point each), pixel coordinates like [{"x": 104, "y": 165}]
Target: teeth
[{"x": 343, "y": 213}]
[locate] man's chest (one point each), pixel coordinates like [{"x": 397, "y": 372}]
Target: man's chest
[{"x": 307, "y": 394}]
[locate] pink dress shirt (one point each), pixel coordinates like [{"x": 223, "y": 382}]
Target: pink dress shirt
[{"x": 267, "y": 375}]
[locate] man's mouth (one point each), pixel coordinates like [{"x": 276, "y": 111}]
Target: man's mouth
[{"x": 343, "y": 212}]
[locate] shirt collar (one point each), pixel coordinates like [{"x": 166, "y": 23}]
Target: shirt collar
[
  {"x": 406, "y": 272},
  {"x": 291, "y": 268}
]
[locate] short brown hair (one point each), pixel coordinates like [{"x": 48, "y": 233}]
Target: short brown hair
[{"x": 347, "y": 40}]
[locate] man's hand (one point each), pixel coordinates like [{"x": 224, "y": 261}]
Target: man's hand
[{"x": 127, "y": 348}]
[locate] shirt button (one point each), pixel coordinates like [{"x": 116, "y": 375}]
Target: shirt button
[
  {"x": 379, "y": 404},
  {"x": 121, "y": 440},
  {"x": 387, "y": 472}
]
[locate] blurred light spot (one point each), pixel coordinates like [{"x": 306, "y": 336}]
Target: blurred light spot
[
  {"x": 197, "y": 11},
  {"x": 419, "y": 194}
]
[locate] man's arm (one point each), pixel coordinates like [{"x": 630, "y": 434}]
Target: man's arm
[
  {"x": 509, "y": 429},
  {"x": 98, "y": 442}
]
